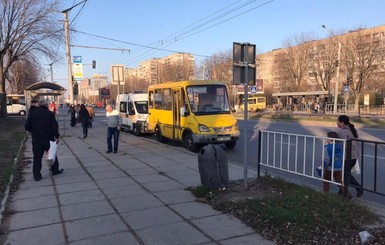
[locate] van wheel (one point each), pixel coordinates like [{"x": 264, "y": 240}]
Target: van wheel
[
  {"x": 135, "y": 130},
  {"x": 22, "y": 113},
  {"x": 231, "y": 144},
  {"x": 159, "y": 135},
  {"x": 189, "y": 144}
]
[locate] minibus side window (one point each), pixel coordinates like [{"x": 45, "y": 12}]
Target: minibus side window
[
  {"x": 131, "y": 110},
  {"x": 158, "y": 99},
  {"x": 167, "y": 101}
]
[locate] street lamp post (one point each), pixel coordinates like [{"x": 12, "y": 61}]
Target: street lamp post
[{"x": 337, "y": 72}]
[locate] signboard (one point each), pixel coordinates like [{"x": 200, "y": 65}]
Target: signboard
[
  {"x": 117, "y": 74},
  {"x": 77, "y": 59},
  {"x": 104, "y": 93},
  {"x": 244, "y": 63},
  {"x": 253, "y": 89},
  {"x": 77, "y": 67},
  {"x": 78, "y": 71}
]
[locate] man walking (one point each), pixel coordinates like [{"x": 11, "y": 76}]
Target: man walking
[
  {"x": 113, "y": 122},
  {"x": 44, "y": 128}
]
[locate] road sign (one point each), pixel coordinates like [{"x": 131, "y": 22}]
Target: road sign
[
  {"x": 253, "y": 89},
  {"x": 346, "y": 89}
]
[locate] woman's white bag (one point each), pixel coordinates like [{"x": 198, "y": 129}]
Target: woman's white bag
[
  {"x": 51, "y": 153},
  {"x": 356, "y": 168}
]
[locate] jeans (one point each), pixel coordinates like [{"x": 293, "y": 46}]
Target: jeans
[
  {"x": 85, "y": 129},
  {"x": 112, "y": 132}
]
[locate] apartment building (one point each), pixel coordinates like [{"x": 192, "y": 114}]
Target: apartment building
[{"x": 321, "y": 60}]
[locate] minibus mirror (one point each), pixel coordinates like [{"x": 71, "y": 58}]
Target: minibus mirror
[{"x": 183, "y": 111}]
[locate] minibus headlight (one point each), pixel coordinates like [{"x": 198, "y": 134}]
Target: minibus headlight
[{"x": 203, "y": 128}]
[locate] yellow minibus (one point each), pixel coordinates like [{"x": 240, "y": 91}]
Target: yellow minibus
[{"x": 194, "y": 112}]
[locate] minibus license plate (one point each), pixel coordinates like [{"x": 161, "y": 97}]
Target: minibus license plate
[{"x": 224, "y": 138}]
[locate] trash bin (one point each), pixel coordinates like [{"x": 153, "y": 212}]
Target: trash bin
[{"x": 213, "y": 167}]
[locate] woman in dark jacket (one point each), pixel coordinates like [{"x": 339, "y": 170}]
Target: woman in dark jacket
[
  {"x": 84, "y": 118},
  {"x": 72, "y": 111}
]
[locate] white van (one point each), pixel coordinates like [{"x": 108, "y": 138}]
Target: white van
[
  {"x": 133, "y": 109},
  {"x": 16, "y": 104}
]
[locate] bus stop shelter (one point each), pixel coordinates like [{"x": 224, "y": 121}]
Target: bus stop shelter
[{"x": 42, "y": 90}]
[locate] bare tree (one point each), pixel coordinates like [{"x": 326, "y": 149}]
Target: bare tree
[
  {"x": 28, "y": 28},
  {"x": 22, "y": 74},
  {"x": 293, "y": 64},
  {"x": 364, "y": 53},
  {"x": 323, "y": 64},
  {"x": 219, "y": 67}
]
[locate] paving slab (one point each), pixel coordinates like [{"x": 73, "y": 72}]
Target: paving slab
[
  {"x": 122, "y": 238},
  {"x": 86, "y": 210},
  {"x": 175, "y": 233},
  {"x": 159, "y": 216},
  {"x": 94, "y": 226},
  {"x": 49, "y": 234},
  {"x": 46, "y": 216}
]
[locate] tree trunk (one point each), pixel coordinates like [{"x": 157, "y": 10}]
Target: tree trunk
[{"x": 3, "y": 105}]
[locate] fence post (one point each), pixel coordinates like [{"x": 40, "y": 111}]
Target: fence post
[
  {"x": 259, "y": 153},
  {"x": 347, "y": 172}
]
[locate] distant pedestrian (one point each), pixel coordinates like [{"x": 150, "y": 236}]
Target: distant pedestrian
[
  {"x": 333, "y": 155},
  {"x": 52, "y": 107},
  {"x": 34, "y": 106},
  {"x": 84, "y": 119},
  {"x": 113, "y": 123},
  {"x": 72, "y": 112},
  {"x": 92, "y": 115},
  {"x": 44, "y": 128},
  {"x": 349, "y": 132}
]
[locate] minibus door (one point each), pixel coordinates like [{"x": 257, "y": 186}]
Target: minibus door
[{"x": 176, "y": 102}]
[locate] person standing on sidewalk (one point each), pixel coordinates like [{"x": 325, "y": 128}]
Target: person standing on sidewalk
[
  {"x": 84, "y": 119},
  {"x": 34, "y": 106},
  {"x": 348, "y": 132},
  {"x": 113, "y": 122},
  {"x": 44, "y": 128}
]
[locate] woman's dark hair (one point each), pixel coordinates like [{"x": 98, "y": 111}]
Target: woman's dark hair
[
  {"x": 82, "y": 107},
  {"x": 345, "y": 119}
]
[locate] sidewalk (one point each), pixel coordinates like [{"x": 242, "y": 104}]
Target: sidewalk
[{"x": 136, "y": 196}]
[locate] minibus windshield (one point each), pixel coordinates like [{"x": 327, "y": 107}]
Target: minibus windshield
[{"x": 208, "y": 99}]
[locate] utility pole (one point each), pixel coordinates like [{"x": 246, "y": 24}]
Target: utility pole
[
  {"x": 68, "y": 50},
  {"x": 68, "y": 53}
]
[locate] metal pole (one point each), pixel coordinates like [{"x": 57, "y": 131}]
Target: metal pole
[
  {"x": 51, "y": 72},
  {"x": 68, "y": 49},
  {"x": 337, "y": 78},
  {"x": 245, "y": 119}
]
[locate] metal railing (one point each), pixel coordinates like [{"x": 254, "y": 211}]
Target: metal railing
[
  {"x": 295, "y": 153},
  {"x": 372, "y": 165},
  {"x": 301, "y": 154}
]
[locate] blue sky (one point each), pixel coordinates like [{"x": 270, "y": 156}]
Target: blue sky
[{"x": 167, "y": 24}]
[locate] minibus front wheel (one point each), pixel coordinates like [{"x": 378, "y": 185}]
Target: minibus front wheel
[
  {"x": 159, "y": 135},
  {"x": 189, "y": 143}
]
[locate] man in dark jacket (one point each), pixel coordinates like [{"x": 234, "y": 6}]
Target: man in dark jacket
[
  {"x": 44, "y": 128},
  {"x": 34, "y": 106}
]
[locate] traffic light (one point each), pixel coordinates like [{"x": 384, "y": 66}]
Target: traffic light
[{"x": 93, "y": 64}]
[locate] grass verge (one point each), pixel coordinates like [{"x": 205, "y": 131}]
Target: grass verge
[
  {"x": 291, "y": 214},
  {"x": 12, "y": 133}
]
